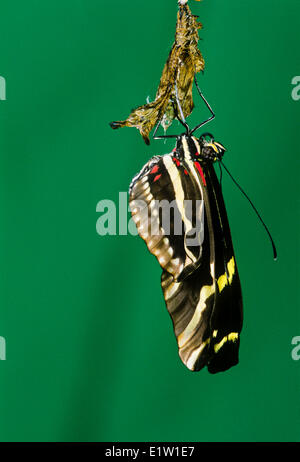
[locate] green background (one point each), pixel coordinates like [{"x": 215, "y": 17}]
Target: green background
[{"x": 91, "y": 354}]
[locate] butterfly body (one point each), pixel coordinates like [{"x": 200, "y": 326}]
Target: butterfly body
[{"x": 191, "y": 239}]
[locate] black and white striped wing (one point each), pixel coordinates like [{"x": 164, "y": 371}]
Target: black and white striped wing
[
  {"x": 200, "y": 282},
  {"x": 166, "y": 205},
  {"x": 206, "y": 307}
]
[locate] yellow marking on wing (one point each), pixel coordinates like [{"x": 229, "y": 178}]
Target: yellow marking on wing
[
  {"x": 232, "y": 337},
  {"x": 219, "y": 345},
  {"x": 231, "y": 268},
  {"x": 223, "y": 280}
]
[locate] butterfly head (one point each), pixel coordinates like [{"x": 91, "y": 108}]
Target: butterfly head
[{"x": 211, "y": 149}]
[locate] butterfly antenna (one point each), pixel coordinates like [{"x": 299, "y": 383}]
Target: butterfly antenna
[{"x": 254, "y": 208}]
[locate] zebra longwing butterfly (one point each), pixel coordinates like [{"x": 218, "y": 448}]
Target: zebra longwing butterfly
[{"x": 200, "y": 280}]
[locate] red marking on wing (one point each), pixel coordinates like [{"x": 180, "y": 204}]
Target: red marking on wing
[
  {"x": 185, "y": 172},
  {"x": 198, "y": 167},
  {"x": 174, "y": 150},
  {"x": 157, "y": 177},
  {"x": 155, "y": 169},
  {"x": 176, "y": 161},
  {"x": 197, "y": 154}
]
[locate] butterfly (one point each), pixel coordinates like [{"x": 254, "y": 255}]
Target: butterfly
[
  {"x": 177, "y": 204},
  {"x": 200, "y": 279}
]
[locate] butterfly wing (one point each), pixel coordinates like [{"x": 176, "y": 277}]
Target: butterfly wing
[
  {"x": 227, "y": 315},
  {"x": 200, "y": 281},
  {"x": 161, "y": 201}
]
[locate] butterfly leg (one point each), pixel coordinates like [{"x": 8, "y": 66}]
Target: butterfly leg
[
  {"x": 207, "y": 105},
  {"x": 180, "y": 118},
  {"x": 161, "y": 137}
]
